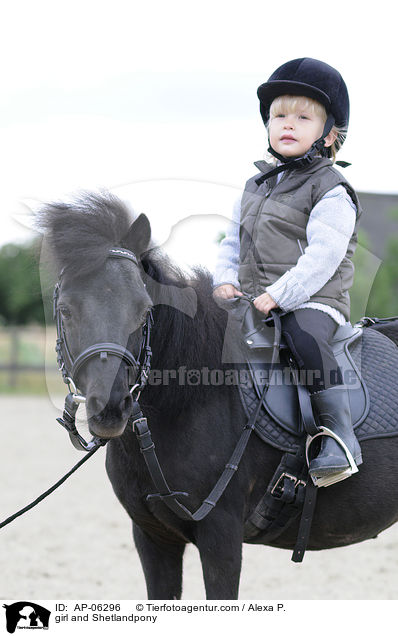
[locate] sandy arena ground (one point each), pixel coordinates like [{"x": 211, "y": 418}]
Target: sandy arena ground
[{"x": 77, "y": 543}]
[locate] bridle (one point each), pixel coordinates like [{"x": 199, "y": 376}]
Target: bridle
[{"x": 138, "y": 368}]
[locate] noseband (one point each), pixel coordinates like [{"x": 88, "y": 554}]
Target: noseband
[{"x": 138, "y": 367}]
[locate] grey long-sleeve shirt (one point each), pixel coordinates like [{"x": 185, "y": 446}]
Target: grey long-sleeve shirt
[{"x": 329, "y": 229}]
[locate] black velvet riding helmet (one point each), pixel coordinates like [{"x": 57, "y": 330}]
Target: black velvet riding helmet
[
  {"x": 312, "y": 78},
  {"x": 309, "y": 78}
]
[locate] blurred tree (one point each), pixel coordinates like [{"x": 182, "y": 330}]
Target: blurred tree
[
  {"x": 383, "y": 300},
  {"x": 20, "y": 292},
  {"x": 366, "y": 266}
]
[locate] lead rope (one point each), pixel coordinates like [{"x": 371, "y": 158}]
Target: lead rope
[
  {"x": 48, "y": 492},
  {"x": 69, "y": 414},
  {"x": 68, "y": 422}
]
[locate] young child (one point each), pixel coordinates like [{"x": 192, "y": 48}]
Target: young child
[{"x": 293, "y": 236}]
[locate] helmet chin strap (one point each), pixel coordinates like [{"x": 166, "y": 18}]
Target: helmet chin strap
[{"x": 317, "y": 148}]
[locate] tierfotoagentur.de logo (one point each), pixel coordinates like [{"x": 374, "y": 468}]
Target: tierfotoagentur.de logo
[{"x": 26, "y": 615}]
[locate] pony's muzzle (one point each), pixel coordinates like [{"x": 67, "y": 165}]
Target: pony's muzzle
[{"x": 107, "y": 417}]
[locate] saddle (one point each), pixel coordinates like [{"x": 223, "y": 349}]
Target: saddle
[
  {"x": 369, "y": 363},
  {"x": 286, "y": 400}
]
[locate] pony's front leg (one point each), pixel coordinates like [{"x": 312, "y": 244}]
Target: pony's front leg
[
  {"x": 162, "y": 565},
  {"x": 219, "y": 541}
]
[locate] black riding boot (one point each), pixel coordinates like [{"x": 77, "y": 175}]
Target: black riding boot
[{"x": 332, "y": 409}]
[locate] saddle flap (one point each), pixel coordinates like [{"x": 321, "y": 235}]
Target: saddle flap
[{"x": 281, "y": 401}]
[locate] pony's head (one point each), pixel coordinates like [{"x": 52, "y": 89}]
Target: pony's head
[{"x": 100, "y": 299}]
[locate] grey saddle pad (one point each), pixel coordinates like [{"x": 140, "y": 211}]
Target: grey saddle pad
[{"x": 369, "y": 361}]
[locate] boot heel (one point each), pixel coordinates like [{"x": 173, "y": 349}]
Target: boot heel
[
  {"x": 332, "y": 476},
  {"x": 329, "y": 480}
]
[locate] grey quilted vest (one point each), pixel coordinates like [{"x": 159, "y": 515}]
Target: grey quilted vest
[{"x": 274, "y": 218}]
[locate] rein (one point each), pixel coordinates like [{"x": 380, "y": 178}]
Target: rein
[
  {"x": 147, "y": 447},
  {"x": 168, "y": 496}
]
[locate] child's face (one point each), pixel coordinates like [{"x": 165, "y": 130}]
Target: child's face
[{"x": 292, "y": 131}]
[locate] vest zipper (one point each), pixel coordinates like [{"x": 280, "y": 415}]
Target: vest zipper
[
  {"x": 254, "y": 266},
  {"x": 266, "y": 196}
]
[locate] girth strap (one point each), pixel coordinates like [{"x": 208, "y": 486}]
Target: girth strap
[
  {"x": 283, "y": 501},
  {"x": 289, "y": 493}
]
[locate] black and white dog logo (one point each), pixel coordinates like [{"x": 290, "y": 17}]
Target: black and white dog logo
[{"x": 26, "y": 615}]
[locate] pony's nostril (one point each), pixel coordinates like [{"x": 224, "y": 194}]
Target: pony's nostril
[{"x": 96, "y": 406}]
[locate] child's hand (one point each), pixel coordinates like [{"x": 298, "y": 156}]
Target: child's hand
[
  {"x": 226, "y": 291},
  {"x": 264, "y": 303}
]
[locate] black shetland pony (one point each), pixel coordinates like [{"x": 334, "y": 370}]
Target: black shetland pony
[{"x": 195, "y": 424}]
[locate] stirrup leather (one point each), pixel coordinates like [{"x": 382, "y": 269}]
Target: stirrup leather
[{"x": 336, "y": 477}]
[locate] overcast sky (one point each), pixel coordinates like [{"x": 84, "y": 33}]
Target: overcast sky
[{"x": 158, "y": 100}]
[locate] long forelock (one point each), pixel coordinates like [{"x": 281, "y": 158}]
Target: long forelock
[{"x": 81, "y": 232}]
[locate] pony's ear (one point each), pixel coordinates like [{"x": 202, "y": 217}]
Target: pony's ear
[{"x": 139, "y": 235}]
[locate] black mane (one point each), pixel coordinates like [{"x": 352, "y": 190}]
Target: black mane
[
  {"x": 188, "y": 333},
  {"x": 187, "y": 306}
]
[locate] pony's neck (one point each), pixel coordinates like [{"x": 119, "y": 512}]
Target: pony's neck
[
  {"x": 187, "y": 338},
  {"x": 188, "y": 327}
]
